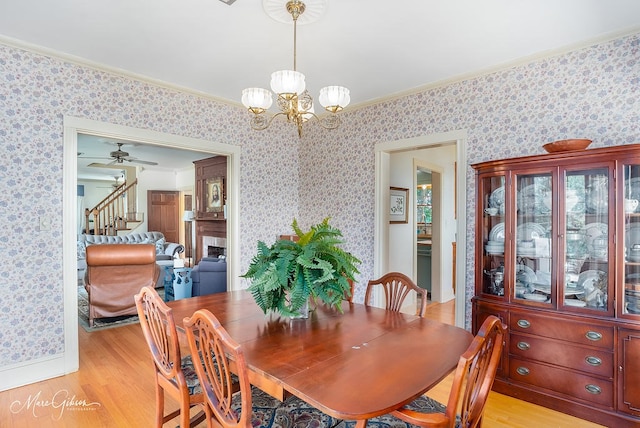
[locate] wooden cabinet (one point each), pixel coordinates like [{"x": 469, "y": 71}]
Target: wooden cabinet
[
  {"x": 211, "y": 176},
  {"x": 558, "y": 260},
  {"x": 629, "y": 352},
  {"x": 210, "y": 201}
]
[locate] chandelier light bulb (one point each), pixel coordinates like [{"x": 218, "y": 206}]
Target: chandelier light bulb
[
  {"x": 334, "y": 98},
  {"x": 287, "y": 82},
  {"x": 256, "y": 99}
]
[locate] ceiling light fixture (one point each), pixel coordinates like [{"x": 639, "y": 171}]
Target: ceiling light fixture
[{"x": 294, "y": 100}]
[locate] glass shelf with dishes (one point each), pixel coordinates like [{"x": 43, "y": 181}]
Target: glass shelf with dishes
[
  {"x": 492, "y": 233},
  {"x": 533, "y": 231},
  {"x": 631, "y": 296},
  {"x": 585, "y": 228}
]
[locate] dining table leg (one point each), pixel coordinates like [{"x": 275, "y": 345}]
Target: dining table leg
[{"x": 361, "y": 423}]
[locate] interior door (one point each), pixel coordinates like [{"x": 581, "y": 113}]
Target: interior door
[{"x": 163, "y": 208}]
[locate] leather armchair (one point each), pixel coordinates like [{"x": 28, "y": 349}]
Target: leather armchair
[
  {"x": 115, "y": 273},
  {"x": 209, "y": 276}
]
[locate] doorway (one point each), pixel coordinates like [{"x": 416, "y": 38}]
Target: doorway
[
  {"x": 425, "y": 206},
  {"x": 383, "y": 173},
  {"x": 74, "y": 126}
]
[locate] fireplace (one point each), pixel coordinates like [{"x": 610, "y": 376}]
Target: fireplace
[{"x": 214, "y": 246}]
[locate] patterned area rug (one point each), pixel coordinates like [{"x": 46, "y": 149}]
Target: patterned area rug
[
  {"x": 421, "y": 404},
  {"x": 102, "y": 323}
]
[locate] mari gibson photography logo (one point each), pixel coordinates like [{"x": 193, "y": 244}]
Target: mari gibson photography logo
[{"x": 61, "y": 402}]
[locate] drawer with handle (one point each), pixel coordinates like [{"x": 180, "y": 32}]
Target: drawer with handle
[
  {"x": 587, "y": 388},
  {"x": 590, "y": 334},
  {"x": 589, "y": 360}
]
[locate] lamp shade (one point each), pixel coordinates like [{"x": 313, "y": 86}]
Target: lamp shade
[
  {"x": 256, "y": 98},
  {"x": 334, "y": 98},
  {"x": 287, "y": 82},
  {"x": 188, "y": 216}
]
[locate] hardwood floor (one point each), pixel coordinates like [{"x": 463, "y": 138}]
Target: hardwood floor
[{"x": 116, "y": 374}]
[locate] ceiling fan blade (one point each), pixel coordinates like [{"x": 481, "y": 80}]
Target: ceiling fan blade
[{"x": 141, "y": 161}]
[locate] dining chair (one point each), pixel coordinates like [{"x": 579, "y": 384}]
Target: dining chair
[
  {"x": 472, "y": 383},
  {"x": 352, "y": 289},
  {"x": 174, "y": 375},
  {"x": 397, "y": 287},
  {"x": 220, "y": 364}
]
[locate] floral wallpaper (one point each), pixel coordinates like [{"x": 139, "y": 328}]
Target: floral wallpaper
[
  {"x": 591, "y": 92},
  {"x": 36, "y": 92}
]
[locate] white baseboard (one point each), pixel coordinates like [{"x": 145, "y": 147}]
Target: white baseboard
[{"x": 31, "y": 371}]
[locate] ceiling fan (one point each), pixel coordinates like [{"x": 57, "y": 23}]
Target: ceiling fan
[{"x": 119, "y": 156}]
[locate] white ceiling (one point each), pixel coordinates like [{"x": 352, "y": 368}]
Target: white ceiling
[
  {"x": 94, "y": 152},
  {"x": 376, "y": 48}
]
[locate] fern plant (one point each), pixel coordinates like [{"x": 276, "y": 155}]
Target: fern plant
[{"x": 287, "y": 274}]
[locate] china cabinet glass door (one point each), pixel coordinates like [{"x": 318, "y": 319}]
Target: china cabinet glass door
[
  {"x": 631, "y": 296},
  {"x": 584, "y": 282},
  {"x": 533, "y": 232},
  {"x": 493, "y": 234}
]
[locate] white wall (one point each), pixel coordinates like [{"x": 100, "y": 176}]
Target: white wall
[
  {"x": 185, "y": 180},
  {"x": 402, "y": 237},
  {"x": 95, "y": 191}
]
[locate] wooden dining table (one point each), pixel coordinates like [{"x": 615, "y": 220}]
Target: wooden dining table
[{"x": 354, "y": 365}]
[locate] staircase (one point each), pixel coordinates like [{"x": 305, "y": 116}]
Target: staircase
[{"x": 116, "y": 214}]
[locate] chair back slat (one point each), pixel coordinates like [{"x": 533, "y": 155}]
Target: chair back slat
[
  {"x": 397, "y": 287},
  {"x": 159, "y": 330},
  {"x": 476, "y": 372},
  {"x": 217, "y": 354}
]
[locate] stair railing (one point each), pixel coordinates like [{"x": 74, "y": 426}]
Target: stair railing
[{"x": 113, "y": 212}]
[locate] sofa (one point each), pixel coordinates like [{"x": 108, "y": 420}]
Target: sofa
[
  {"x": 114, "y": 274},
  {"x": 209, "y": 276},
  {"x": 165, "y": 251}
]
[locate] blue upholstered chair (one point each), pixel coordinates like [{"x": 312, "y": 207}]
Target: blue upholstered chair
[{"x": 209, "y": 276}]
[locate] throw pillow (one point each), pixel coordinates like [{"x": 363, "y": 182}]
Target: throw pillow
[
  {"x": 160, "y": 246},
  {"x": 81, "y": 249}
]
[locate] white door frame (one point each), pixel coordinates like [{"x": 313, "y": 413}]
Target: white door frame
[
  {"x": 381, "y": 255},
  {"x": 74, "y": 126}
]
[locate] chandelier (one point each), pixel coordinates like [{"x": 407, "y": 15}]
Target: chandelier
[{"x": 294, "y": 101}]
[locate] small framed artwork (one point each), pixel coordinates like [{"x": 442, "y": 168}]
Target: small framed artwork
[
  {"x": 398, "y": 205},
  {"x": 214, "y": 195}
]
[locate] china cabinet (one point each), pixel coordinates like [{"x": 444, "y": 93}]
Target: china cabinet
[{"x": 558, "y": 260}]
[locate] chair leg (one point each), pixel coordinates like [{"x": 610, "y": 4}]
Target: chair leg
[
  {"x": 185, "y": 420},
  {"x": 159, "y": 406}
]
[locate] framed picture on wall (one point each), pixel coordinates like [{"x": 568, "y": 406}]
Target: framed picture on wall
[
  {"x": 214, "y": 194},
  {"x": 398, "y": 205}
]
